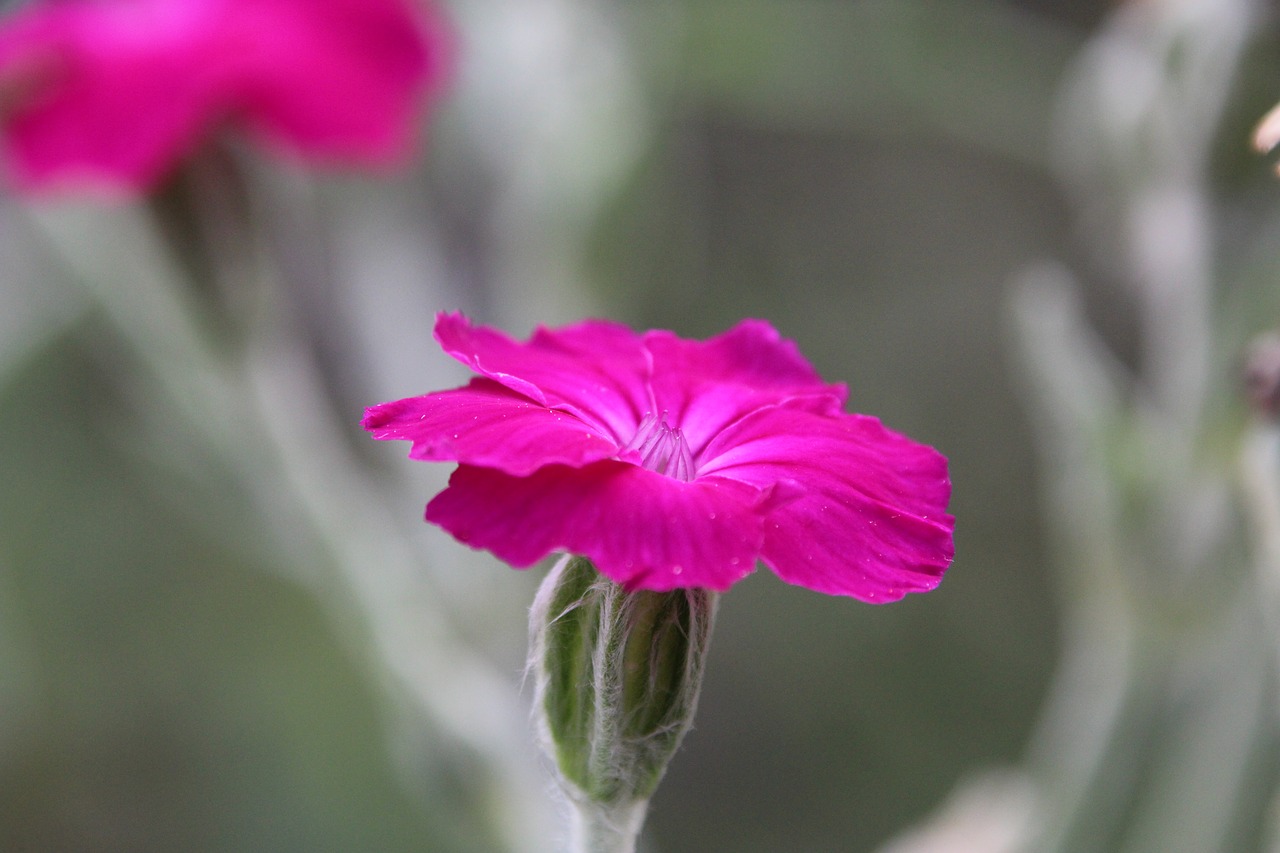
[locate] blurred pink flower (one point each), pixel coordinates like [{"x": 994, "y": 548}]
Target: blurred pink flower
[
  {"x": 111, "y": 94},
  {"x": 674, "y": 463}
]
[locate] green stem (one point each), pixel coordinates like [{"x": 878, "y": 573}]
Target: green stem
[{"x": 595, "y": 829}]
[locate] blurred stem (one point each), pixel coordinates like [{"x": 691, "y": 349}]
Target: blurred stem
[
  {"x": 1260, "y": 484},
  {"x": 1076, "y": 390},
  {"x": 1146, "y": 738},
  {"x": 202, "y": 217},
  {"x": 234, "y": 397}
]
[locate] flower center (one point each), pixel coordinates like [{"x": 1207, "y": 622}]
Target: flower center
[{"x": 662, "y": 448}]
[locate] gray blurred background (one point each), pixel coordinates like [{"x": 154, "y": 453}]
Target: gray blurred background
[{"x": 870, "y": 176}]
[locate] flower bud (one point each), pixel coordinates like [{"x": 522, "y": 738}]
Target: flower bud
[{"x": 617, "y": 676}]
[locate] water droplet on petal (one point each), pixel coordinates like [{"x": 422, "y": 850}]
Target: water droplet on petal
[{"x": 675, "y": 570}]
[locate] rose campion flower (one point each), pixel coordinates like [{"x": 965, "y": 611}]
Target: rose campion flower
[
  {"x": 112, "y": 94},
  {"x": 673, "y": 463}
]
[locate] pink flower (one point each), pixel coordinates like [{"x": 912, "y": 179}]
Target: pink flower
[
  {"x": 111, "y": 94},
  {"x": 675, "y": 463}
]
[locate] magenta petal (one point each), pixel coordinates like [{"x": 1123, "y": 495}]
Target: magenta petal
[
  {"x": 340, "y": 79},
  {"x": 751, "y": 355},
  {"x": 596, "y": 369},
  {"x": 489, "y": 425},
  {"x": 113, "y": 94},
  {"x": 106, "y": 93},
  {"x": 706, "y": 385},
  {"x": 642, "y": 529},
  {"x": 868, "y": 517}
]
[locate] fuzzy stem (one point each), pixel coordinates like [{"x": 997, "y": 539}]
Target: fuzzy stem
[{"x": 595, "y": 829}]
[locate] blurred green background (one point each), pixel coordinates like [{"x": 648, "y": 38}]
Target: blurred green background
[{"x": 869, "y": 176}]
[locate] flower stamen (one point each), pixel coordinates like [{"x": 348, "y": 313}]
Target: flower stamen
[{"x": 662, "y": 448}]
